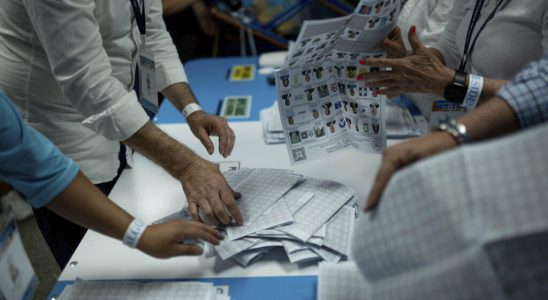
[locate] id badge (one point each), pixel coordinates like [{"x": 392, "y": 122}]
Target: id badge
[{"x": 147, "y": 81}]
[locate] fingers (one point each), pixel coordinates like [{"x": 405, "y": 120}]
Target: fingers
[
  {"x": 226, "y": 139},
  {"x": 207, "y": 213},
  {"x": 193, "y": 210},
  {"x": 218, "y": 208},
  {"x": 228, "y": 197},
  {"x": 383, "y": 176},
  {"x": 414, "y": 39},
  {"x": 190, "y": 250},
  {"x": 385, "y": 62},
  {"x": 196, "y": 230},
  {"x": 206, "y": 141}
]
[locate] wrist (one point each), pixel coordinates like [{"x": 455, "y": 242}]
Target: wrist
[
  {"x": 133, "y": 233},
  {"x": 191, "y": 109},
  {"x": 454, "y": 129}
]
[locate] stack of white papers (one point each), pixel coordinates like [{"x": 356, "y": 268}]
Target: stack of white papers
[
  {"x": 310, "y": 219},
  {"x": 121, "y": 290},
  {"x": 272, "y": 125},
  {"x": 341, "y": 281}
]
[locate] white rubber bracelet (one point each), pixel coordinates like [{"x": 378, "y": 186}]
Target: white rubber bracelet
[
  {"x": 190, "y": 109},
  {"x": 133, "y": 233},
  {"x": 473, "y": 94}
]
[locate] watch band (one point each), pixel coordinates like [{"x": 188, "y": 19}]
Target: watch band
[
  {"x": 456, "y": 90},
  {"x": 454, "y": 128},
  {"x": 190, "y": 109}
]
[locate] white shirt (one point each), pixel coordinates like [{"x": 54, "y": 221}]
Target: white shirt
[
  {"x": 69, "y": 67},
  {"x": 516, "y": 36}
]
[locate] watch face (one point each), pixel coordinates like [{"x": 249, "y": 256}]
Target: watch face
[{"x": 455, "y": 93}]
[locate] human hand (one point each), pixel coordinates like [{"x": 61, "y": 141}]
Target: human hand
[
  {"x": 206, "y": 189},
  {"x": 203, "y": 125},
  {"x": 393, "y": 44},
  {"x": 167, "y": 239},
  {"x": 398, "y": 156},
  {"x": 421, "y": 72}
]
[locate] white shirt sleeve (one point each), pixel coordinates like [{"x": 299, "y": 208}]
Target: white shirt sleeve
[
  {"x": 169, "y": 69},
  {"x": 69, "y": 34},
  {"x": 437, "y": 20},
  {"x": 447, "y": 44}
]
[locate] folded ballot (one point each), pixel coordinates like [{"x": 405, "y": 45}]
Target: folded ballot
[{"x": 310, "y": 219}]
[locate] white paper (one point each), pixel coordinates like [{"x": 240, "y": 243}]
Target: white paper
[
  {"x": 324, "y": 104},
  {"x": 341, "y": 281}
]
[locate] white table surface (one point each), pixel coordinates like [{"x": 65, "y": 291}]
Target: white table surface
[{"x": 149, "y": 193}]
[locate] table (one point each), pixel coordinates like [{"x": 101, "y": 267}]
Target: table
[
  {"x": 209, "y": 80},
  {"x": 149, "y": 193}
]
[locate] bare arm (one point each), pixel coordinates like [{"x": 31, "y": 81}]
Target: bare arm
[
  {"x": 204, "y": 186},
  {"x": 82, "y": 203}
]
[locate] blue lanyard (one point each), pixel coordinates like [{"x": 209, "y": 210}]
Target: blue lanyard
[
  {"x": 468, "y": 49},
  {"x": 139, "y": 13}
]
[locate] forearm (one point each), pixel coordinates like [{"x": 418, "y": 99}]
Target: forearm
[
  {"x": 492, "y": 119},
  {"x": 171, "y": 155},
  {"x": 490, "y": 89},
  {"x": 85, "y": 205},
  {"x": 179, "y": 94}
]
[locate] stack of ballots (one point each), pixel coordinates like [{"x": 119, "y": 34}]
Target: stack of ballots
[
  {"x": 121, "y": 290},
  {"x": 310, "y": 219},
  {"x": 273, "y": 132}
]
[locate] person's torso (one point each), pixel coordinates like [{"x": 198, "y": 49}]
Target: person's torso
[{"x": 512, "y": 39}]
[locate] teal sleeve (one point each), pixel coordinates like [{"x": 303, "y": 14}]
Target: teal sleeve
[{"x": 29, "y": 162}]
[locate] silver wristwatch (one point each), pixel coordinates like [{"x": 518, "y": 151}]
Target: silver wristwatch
[{"x": 454, "y": 128}]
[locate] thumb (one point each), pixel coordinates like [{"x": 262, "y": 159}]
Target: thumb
[
  {"x": 206, "y": 141},
  {"x": 414, "y": 39}
]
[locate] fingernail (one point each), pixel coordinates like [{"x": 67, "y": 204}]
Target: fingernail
[
  {"x": 414, "y": 29},
  {"x": 362, "y": 62}
]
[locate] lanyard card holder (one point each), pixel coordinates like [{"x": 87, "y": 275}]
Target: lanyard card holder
[{"x": 147, "y": 81}]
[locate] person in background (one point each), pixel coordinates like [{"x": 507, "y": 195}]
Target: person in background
[
  {"x": 181, "y": 18},
  {"x": 70, "y": 68},
  {"x": 36, "y": 168},
  {"x": 518, "y": 105},
  {"x": 485, "y": 43}
]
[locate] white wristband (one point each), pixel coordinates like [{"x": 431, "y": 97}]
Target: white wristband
[
  {"x": 133, "y": 233},
  {"x": 475, "y": 86},
  {"x": 190, "y": 109}
]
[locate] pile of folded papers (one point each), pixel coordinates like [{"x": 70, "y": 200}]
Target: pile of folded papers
[
  {"x": 311, "y": 219},
  {"x": 121, "y": 290},
  {"x": 273, "y": 132}
]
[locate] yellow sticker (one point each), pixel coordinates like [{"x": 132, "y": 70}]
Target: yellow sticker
[{"x": 242, "y": 73}]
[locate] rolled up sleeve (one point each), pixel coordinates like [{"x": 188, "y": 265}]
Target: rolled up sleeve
[
  {"x": 169, "y": 69},
  {"x": 69, "y": 33},
  {"x": 527, "y": 93}
]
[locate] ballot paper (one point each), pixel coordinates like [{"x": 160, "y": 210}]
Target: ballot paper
[
  {"x": 121, "y": 290},
  {"x": 468, "y": 224},
  {"x": 341, "y": 281},
  {"x": 309, "y": 219},
  {"x": 324, "y": 103},
  {"x": 272, "y": 126}
]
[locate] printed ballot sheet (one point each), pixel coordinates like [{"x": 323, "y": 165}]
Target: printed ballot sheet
[
  {"x": 309, "y": 219},
  {"x": 341, "y": 281},
  {"x": 120, "y": 290},
  {"x": 466, "y": 224},
  {"x": 324, "y": 103}
]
